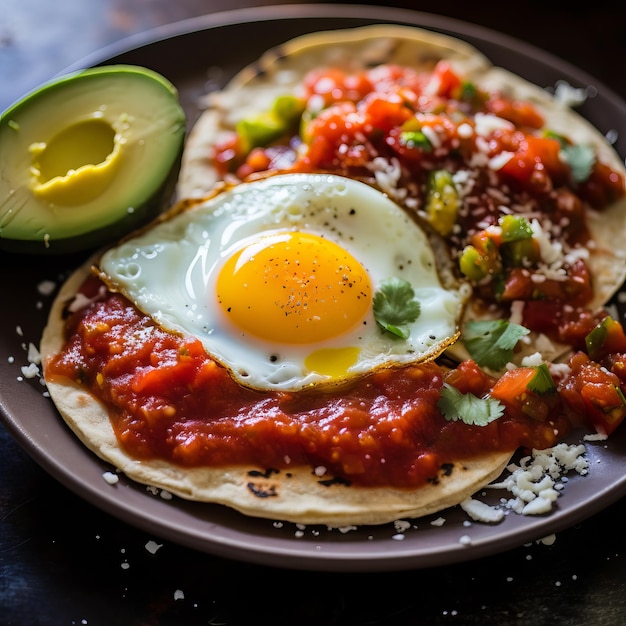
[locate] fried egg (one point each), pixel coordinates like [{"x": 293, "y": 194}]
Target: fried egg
[{"x": 277, "y": 278}]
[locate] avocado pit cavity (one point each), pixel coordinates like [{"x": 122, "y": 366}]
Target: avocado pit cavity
[
  {"x": 78, "y": 163},
  {"x": 87, "y": 158}
]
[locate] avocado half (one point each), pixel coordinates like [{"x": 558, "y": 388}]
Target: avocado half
[{"x": 87, "y": 158}]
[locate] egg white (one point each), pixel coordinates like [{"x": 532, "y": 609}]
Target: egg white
[{"x": 169, "y": 272}]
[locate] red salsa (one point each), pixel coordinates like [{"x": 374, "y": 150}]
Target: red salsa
[
  {"x": 167, "y": 399},
  {"x": 400, "y": 129},
  {"x": 478, "y": 166}
]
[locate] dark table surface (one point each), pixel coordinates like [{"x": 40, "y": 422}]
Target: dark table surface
[{"x": 64, "y": 561}]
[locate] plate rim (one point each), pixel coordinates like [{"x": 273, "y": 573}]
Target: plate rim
[{"x": 292, "y": 555}]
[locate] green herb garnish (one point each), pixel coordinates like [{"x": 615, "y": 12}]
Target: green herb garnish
[
  {"x": 467, "y": 407},
  {"x": 491, "y": 343},
  {"x": 395, "y": 306},
  {"x": 581, "y": 160}
]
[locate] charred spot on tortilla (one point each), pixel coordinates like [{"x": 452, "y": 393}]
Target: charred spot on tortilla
[
  {"x": 266, "y": 474},
  {"x": 337, "y": 480},
  {"x": 446, "y": 469},
  {"x": 262, "y": 491}
]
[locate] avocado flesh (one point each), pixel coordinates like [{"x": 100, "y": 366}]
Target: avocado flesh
[{"x": 87, "y": 158}]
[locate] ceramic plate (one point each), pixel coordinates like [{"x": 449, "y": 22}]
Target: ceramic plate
[{"x": 197, "y": 55}]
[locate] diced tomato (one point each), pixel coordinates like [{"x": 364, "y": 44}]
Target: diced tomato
[
  {"x": 522, "y": 114},
  {"x": 332, "y": 127},
  {"x": 512, "y": 390},
  {"x": 467, "y": 377},
  {"x": 174, "y": 368},
  {"x": 445, "y": 79},
  {"x": 594, "y": 393},
  {"x": 603, "y": 186},
  {"x": 334, "y": 85},
  {"x": 616, "y": 363},
  {"x": 536, "y": 163},
  {"x": 542, "y": 317},
  {"x": 575, "y": 290},
  {"x": 575, "y": 324},
  {"x": 518, "y": 285},
  {"x": 384, "y": 113}
]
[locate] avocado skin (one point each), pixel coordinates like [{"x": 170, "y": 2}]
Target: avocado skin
[{"x": 161, "y": 189}]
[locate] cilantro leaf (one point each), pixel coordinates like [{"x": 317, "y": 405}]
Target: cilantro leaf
[
  {"x": 491, "y": 342},
  {"x": 467, "y": 407},
  {"x": 395, "y": 306},
  {"x": 581, "y": 160}
]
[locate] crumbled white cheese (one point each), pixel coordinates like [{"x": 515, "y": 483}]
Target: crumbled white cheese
[
  {"x": 401, "y": 526},
  {"x": 46, "y": 287},
  {"x": 30, "y": 371},
  {"x": 596, "y": 437},
  {"x": 33, "y": 355},
  {"x": 500, "y": 160},
  {"x": 548, "y": 540},
  {"x": 465, "y": 131},
  {"x": 533, "y": 481},
  {"x": 481, "y": 512},
  {"x": 111, "y": 477},
  {"x": 568, "y": 95},
  {"x": 346, "y": 529},
  {"x": 487, "y": 123},
  {"x": 551, "y": 252},
  {"x": 153, "y": 547},
  {"x": 432, "y": 136},
  {"x": 532, "y": 360}
]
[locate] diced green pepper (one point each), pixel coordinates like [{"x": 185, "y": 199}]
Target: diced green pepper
[
  {"x": 442, "y": 202},
  {"x": 595, "y": 341},
  {"x": 415, "y": 139},
  {"x": 515, "y": 227},
  {"x": 468, "y": 91},
  {"x": 288, "y": 108},
  {"x": 542, "y": 381},
  {"x": 262, "y": 129},
  {"x": 471, "y": 263},
  {"x": 518, "y": 253},
  {"x": 259, "y": 131}
]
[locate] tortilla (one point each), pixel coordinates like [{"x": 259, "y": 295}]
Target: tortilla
[
  {"x": 298, "y": 495},
  {"x": 281, "y": 71}
]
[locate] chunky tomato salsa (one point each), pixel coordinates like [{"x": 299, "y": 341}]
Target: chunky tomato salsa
[
  {"x": 508, "y": 195},
  {"x": 168, "y": 400},
  {"x": 510, "y": 199}
]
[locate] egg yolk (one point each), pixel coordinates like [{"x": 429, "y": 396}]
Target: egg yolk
[{"x": 294, "y": 287}]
